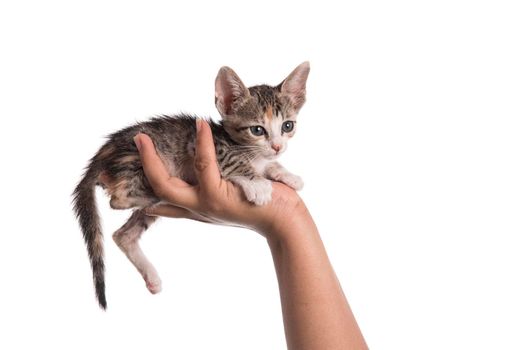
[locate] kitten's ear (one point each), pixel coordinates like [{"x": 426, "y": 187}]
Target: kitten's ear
[
  {"x": 229, "y": 91},
  {"x": 294, "y": 86}
]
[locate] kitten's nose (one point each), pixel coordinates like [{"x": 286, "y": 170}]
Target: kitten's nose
[{"x": 276, "y": 147}]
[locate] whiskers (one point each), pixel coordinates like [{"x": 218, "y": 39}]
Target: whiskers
[
  {"x": 249, "y": 156},
  {"x": 246, "y": 147},
  {"x": 247, "y": 153}
]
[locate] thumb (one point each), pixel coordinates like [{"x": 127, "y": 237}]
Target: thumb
[
  {"x": 165, "y": 186},
  {"x": 154, "y": 168},
  {"x": 206, "y": 167}
]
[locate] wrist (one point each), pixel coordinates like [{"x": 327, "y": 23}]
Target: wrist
[{"x": 288, "y": 226}]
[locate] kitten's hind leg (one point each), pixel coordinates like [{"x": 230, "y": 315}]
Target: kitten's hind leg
[{"x": 127, "y": 240}]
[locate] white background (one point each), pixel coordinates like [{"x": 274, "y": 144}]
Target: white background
[{"x": 411, "y": 146}]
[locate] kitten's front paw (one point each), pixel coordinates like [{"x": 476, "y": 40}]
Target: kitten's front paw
[
  {"x": 258, "y": 191},
  {"x": 293, "y": 181}
]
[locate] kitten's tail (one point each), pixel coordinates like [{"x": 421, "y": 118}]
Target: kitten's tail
[{"x": 86, "y": 211}]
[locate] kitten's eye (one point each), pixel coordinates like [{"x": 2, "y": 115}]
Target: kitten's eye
[
  {"x": 257, "y": 130},
  {"x": 288, "y": 126}
]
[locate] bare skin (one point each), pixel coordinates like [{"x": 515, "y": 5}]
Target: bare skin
[{"x": 315, "y": 311}]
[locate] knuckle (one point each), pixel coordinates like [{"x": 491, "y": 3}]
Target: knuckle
[{"x": 201, "y": 163}]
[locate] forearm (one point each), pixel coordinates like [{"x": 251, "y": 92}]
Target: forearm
[{"x": 315, "y": 311}]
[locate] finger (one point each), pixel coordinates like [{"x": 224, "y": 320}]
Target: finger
[
  {"x": 172, "y": 211},
  {"x": 206, "y": 166},
  {"x": 167, "y": 210},
  {"x": 166, "y": 187}
]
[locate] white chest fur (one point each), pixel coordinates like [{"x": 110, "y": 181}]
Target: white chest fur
[{"x": 259, "y": 165}]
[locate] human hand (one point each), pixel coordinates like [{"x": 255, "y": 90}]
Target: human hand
[
  {"x": 214, "y": 199},
  {"x": 316, "y": 312}
]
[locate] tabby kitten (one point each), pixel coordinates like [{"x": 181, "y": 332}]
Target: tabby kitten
[{"x": 256, "y": 125}]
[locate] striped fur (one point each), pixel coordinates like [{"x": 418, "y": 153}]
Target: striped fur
[{"x": 242, "y": 158}]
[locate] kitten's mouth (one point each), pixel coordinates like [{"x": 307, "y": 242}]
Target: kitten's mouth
[{"x": 273, "y": 156}]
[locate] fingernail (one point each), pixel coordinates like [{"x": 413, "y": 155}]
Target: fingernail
[
  {"x": 198, "y": 124},
  {"x": 137, "y": 142}
]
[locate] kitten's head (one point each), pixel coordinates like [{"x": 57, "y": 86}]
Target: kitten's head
[{"x": 262, "y": 116}]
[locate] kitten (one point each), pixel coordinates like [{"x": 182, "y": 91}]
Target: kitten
[{"x": 256, "y": 125}]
